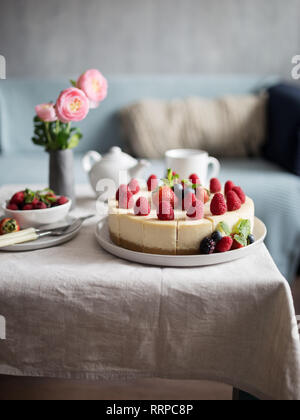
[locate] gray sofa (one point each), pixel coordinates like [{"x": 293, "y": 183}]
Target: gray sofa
[{"x": 275, "y": 191}]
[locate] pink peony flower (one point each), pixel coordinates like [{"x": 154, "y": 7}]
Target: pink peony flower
[
  {"x": 46, "y": 112},
  {"x": 72, "y": 105},
  {"x": 94, "y": 85}
]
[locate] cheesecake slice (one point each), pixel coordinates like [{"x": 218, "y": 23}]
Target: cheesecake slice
[{"x": 190, "y": 235}]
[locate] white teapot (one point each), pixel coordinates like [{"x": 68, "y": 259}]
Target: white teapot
[{"x": 115, "y": 165}]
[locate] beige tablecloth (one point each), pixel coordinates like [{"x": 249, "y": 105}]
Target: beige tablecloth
[{"x": 77, "y": 312}]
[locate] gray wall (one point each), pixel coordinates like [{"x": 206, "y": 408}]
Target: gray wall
[{"x": 42, "y": 38}]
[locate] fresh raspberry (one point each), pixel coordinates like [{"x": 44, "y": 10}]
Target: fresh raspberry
[
  {"x": 165, "y": 211},
  {"x": 12, "y": 206},
  {"x": 165, "y": 194},
  {"x": 40, "y": 206},
  {"x": 28, "y": 207},
  {"x": 196, "y": 211},
  {"x": 202, "y": 195},
  {"x": 152, "y": 183},
  {"x": 126, "y": 200},
  {"x": 218, "y": 205},
  {"x": 195, "y": 179},
  {"x": 134, "y": 186},
  {"x": 123, "y": 189},
  {"x": 61, "y": 201},
  {"x": 233, "y": 201},
  {"x": 188, "y": 201},
  {"x": 225, "y": 244},
  {"x": 240, "y": 193},
  {"x": 18, "y": 198},
  {"x": 215, "y": 186},
  {"x": 229, "y": 186},
  {"x": 142, "y": 207}
]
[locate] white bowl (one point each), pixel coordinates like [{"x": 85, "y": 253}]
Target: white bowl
[{"x": 38, "y": 218}]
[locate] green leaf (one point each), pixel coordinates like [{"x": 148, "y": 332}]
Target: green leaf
[
  {"x": 74, "y": 140},
  {"x": 243, "y": 228},
  {"x": 73, "y": 83},
  {"x": 241, "y": 240},
  {"x": 224, "y": 229}
]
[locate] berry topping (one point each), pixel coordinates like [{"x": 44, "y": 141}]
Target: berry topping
[
  {"x": 61, "y": 201},
  {"x": 28, "y": 207},
  {"x": 134, "y": 186},
  {"x": 189, "y": 200},
  {"x": 12, "y": 206},
  {"x": 196, "y": 210},
  {"x": 207, "y": 246},
  {"x": 229, "y": 186},
  {"x": 142, "y": 207},
  {"x": 215, "y": 186},
  {"x": 233, "y": 201},
  {"x": 217, "y": 236},
  {"x": 40, "y": 206},
  {"x": 202, "y": 194},
  {"x": 251, "y": 239},
  {"x": 165, "y": 193},
  {"x": 238, "y": 242},
  {"x": 225, "y": 244},
  {"x": 152, "y": 183},
  {"x": 195, "y": 180},
  {"x": 218, "y": 205},
  {"x": 126, "y": 200},
  {"x": 240, "y": 193},
  {"x": 123, "y": 189},
  {"x": 165, "y": 211},
  {"x": 18, "y": 198}
]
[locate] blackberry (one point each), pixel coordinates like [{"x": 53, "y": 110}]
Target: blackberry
[
  {"x": 207, "y": 246},
  {"x": 217, "y": 236},
  {"x": 251, "y": 239}
]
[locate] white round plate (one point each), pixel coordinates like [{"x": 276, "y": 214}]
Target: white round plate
[
  {"x": 102, "y": 235},
  {"x": 43, "y": 243}
]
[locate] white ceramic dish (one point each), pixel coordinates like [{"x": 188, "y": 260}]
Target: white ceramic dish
[
  {"x": 47, "y": 242},
  {"x": 103, "y": 238},
  {"x": 38, "y": 218}
]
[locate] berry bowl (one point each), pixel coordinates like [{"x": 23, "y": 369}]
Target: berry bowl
[{"x": 38, "y": 218}]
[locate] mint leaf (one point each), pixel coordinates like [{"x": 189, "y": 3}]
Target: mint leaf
[
  {"x": 241, "y": 240},
  {"x": 223, "y": 228},
  {"x": 243, "y": 228}
]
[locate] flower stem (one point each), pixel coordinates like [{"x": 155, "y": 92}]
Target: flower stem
[{"x": 48, "y": 133}]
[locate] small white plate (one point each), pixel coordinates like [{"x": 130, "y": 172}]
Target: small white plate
[
  {"x": 102, "y": 235},
  {"x": 47, "y": 242}
]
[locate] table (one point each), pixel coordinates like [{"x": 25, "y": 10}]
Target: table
[{"x": 76, "y": 312}]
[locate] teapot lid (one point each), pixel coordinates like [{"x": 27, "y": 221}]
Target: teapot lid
[{"x": 117, "y": 155}]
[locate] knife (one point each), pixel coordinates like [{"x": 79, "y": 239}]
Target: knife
[{"x": 32, "y": 234}]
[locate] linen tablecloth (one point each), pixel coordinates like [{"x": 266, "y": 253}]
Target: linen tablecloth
[{"x": 78, "y": 312}]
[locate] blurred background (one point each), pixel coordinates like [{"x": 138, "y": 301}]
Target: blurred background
[{"x": 54, "y": 38}]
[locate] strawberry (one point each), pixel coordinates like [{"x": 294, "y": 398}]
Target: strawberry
[
  {"x": 18, "y": 198},
  {"x": 225, "y": 244},
  {"x": 215, "y": 186},
  {"x": 218, "y": 205},
  {"x": 9, "y": 226},
  {"x": 123, "y": 189},
  {"x": 233, "y": 201},
  {"x": 134, "y": 186},
  {"x": 188, "y": 201},
  {"x": 195, "y": 179},
  {"x": 12, "y": 206},
  {"x": 152, "y": 183},
  {"x": 228, "y": 187},
  {"x": 28, "y": 207},
  {"x": 40, "y": 206},
  {"x": 202, "y": 194},
  {"x": 142, "y": 207},
  {"x": 196, "y": 211},
  {"x": 165, "y": 211},
  {"x": 165, "y": 193},
  {"x": 240, "y": 193},
  {"x": 61, "y": 201},
  {"x": 126, "y": 200}
]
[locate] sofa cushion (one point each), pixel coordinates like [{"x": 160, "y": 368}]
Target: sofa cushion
[{"x": 283, "y": 143}]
